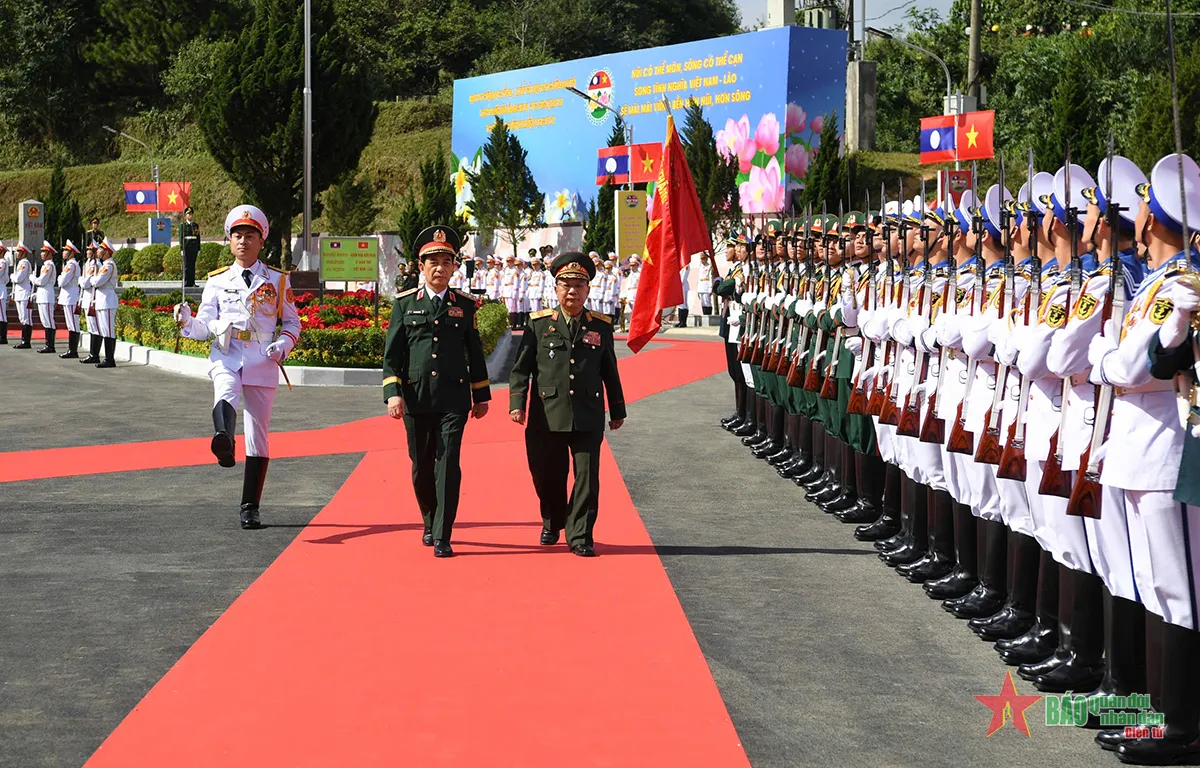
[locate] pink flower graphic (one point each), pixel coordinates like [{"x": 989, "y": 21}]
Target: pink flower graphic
[
  {"x": 735, "y": 141},
  {"x": 818, "y": 123},
  {"x": 795, "y": 119},
  {"x": 763, "y": 192},
  {"x": 796, "y": 161},
  {"x": 766, "y": 136}
]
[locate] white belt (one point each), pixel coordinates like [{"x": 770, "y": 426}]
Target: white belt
[{"x": 260, "y": 337}]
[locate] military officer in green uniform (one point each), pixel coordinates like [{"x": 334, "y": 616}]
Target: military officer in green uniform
[
  {"x": 565, "y": 365},
  {"x": 434, "y": 375},
  {"x": 189, "y": 244}
]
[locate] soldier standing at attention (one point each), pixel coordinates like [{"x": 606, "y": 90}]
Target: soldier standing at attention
[
  {"x": 564, "y": 365},
  {"x": 87, "y": 301},
  {"x": 44, "y": 282},
  {"x": 104, "y": 296},
  {"x": 22, "y": 291},
  {"x": 94, "y": 235},
  {"x": 434, "y": 375},
  {"x": 3, "y": 295},
  {"x": 189, "y": 235},
  {"x": 68, "y": 298},
  {"x": 240, "y": 309}
]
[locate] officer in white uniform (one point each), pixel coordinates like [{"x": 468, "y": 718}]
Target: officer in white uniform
[
  {"x": 536, "y": 289},
  {"x": 629, "y": 288},
  {"x": 685, "y": 282},
  {"x": 104, "y": 286},
  {"x": 4, "y": 274},
  {"x": 22, "y": 292},
  {"x": 43, "y": 295},
  {"x": 87, "y": 301},
  {"x": 240, "y": 310},
  {"x": 704, "y": 285},
  {"x": 68, "y": 298}
]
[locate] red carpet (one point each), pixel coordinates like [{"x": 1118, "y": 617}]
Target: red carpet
[{"x": 358, "y": 648}]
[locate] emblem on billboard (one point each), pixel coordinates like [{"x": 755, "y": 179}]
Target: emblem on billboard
[
  {"x": 632, "y": 201},
  {"x": 600, "y": 88}
]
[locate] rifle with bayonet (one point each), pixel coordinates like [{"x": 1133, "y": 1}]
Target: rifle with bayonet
[
  {"x": 910, "y": 417},
  {"x": 878, "y": 397},
  {"x": 795, "y": 374},
  {"x": 890, "y": 413},
  {"x": 933, "y": 429},
  {"x": 829, "y": 383},
  {"x": 989, "y": 449},
  {"x": 857, "y": 402},
  {"x": 961, "y": 440},
  {"x": 812, "y": 379}
]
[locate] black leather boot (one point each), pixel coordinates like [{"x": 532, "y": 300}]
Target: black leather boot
[
  {"x": 938, "y": 560},
  {"x": 1084, "y": 668},
  {"x": 1041, "y": 640},
  {"x": 224, "y": 422},
  {"x": 869, "y": 477},
  {"x": 848, "y": 479},
  {"x": 914, "y": 505},
  {"x": 252, "y": 485},
  {"x": 26, "y": 335},
  {"x": 988, "y": 597},
  {"x": 829, "y": 476},
  {"x": 886, "y": 532},
  {"x": 1124, "y": 651},
  {"x": 1016, "y": 617},
  {"x": 682, "y": 314},
  {"x": 51, "y": 337},
  {"x": 93, "y": 349},
  {"x": 72, "y": 346},
  {"x": 1066, "y": 598},
  {"x": 761, "y": 422},
  {"x": 4, "y": 333},
  {"x": 963, "y": 577},
  {"x": 730, "y": 423},
  {"x": 1180, "y": 707},
  {"x": 784, "y": 454},
  {"x": 749, "y": 421},
  {"x": 774, "y": 441},
  {"x": 817, "y": 469},
  {"x": 801, "y": 436},
  {"x": 110, "y": 348}
]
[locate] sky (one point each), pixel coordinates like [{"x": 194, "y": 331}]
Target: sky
[{"x": 885, "y": 10}]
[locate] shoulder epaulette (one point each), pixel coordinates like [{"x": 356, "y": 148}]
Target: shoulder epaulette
[
  {"x": 540, "y": 314},
  {"x": 409, "y": 292},
  {"x": 1177, "y": 268},
  {"x": 468, "y": 296},
  {"x": 217, "y": 271},
  {"x": 599, "y": 316},
  {"x": 276, "y": 269}
]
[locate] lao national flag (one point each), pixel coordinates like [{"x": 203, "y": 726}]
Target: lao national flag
[
  {"x": 647, "y": 161},
  {"x": 938, "y": 139},
  {"x": 140, "y": 196},
  {"x": 975, "y": 135},
  {"x": 612, "y": 162}
]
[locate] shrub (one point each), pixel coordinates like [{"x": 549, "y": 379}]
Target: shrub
[
  {"x": 149, "y": 260},
  {"x": 131, "y": 293},
  {"x": 172, "y": 262},
  {"x": 492, "y": 319},
  {"x": 225, "y": 257},
  {"x": 210, "y": 254},
  {"x": 124, "y": 259}
]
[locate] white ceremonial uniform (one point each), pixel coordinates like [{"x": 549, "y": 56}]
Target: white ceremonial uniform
[
  {"x": 609, "y": 293},
  {"x": 508, "y": 289},
  {"x": 86, "y": 292},
  {"x": 1143, "y": 455},
  {"x": 493, "y": 283},
  {"x": 245, "y": 316},
  {"x": 4, "y": 274},
  {"x": 523, "y": 289},
  {"x": 535, "y": 289},
  {"x": 68, "y": 293},
  {"x": 104, "y": 285},
  {"x": 685, "y": 283},
  {"x": 23, "y": 289},
  {"x": 44, "y": 282},
  {"x": 595, "y": 294},
  {"x": 704, "y": 286},
  {"x": 629, "y": 288},
  {"x": 479, "y": 279}
]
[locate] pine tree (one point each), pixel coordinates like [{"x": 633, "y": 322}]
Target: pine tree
[
  {"x": 436, "y": 204},
  {"x": 715, "y": 176},
  {"x": 350, "y": 207},
  {"x": 507, "y": 198},
  {"x": 252, "y": 117},
  {"x": 825, "y": 182},
  {"x": 601, "y": 232},
  {"x": 63, "y": 219},
  {"x": 1075, "y": 119}
]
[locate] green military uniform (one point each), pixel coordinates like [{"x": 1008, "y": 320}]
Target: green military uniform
[
  {"x": 565, "y": 367},
  {"x": 433, "y": 359},
  {"x": 189, "y": 246}
]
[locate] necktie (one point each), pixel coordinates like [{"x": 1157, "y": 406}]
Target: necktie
[
  {"x": 247, "y": 275},
  {"x": 437, "y": 303},
  {"x": 571, "y": 323}
]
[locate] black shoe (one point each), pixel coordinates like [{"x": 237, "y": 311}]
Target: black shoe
[
  {"x": 780, "y": 457},
  {"x": 1007, "y": 624},
  {"x": 69, "y": 355},
  {"x": 1165, "y": 751},
  {"x": 745, "y": 430},
  {"x": 1030, "y": 648},
  {"x": 1043, "y": 667},
  {"x": 814, "y": 472},
  {"x": 442, "y": 549},
  {"x": 89, "y": 360},
  {"x": 859, "y": 513},
  {"x": 46, "y": 350},
  {"x": 222, "y": 448},
  {"x": 1075, "y": 675},
  {"x": 1109, "y": 740},
  {"x": 549, "y": 538},
  {"x": 954, "y": 584},
  {"x": 583, "y": 550},
  {"x": 932, "y": 566},
  {"x": 250, "y": 520},
  {"x": 755, "y": 437},
  {"x": 902, "y": 556},
  {"x": 106, "y": 363},
  {"x": 765, "y": 449},
  {"x": 981, "y": 602},
  {"x": 427, "y": 539},
  {"x": 23, "y": 345},
  {"x": 883, "y": 529}
]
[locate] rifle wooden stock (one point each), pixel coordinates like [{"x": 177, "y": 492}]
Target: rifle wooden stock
[
  {"x": 909, "y": 423},
  {"x": 1012, "y": 464},
  {"x": 756, "y": 354},
  {"x": 829, "y": 388},
  {"x": 1055, "y": 482},
  {"x": 794, "y": 377},
  {"x": 812, "y": 380},
  {"x": 989, "y": 450},
  {"x": 961, "y": 440},
  {"x": 857, "y": 404},
  {"x": 1085, "y": 496},
  {"x": 783, "y": 364},
  {"x": 741, "y": 353},
  {"x": 878, "y": 396},
  {"x": 933, "y": 429},
  {"x": 890, "y": 413},
  {"x": 771, "y": 358}
]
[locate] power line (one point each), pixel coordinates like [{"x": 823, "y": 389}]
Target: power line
[
  {"x": 900, "y": 7},
  {"x": 1112, "y": 9}
]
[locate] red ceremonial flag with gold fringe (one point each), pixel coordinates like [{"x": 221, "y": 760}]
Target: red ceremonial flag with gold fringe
[{"x": 676, "y": 232}]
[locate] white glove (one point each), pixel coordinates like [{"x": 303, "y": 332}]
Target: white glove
[
  {"x": 803, "y": 306},
  {"x": 926, "y": 341},
  {"x": 1174, "y": 329},
  {"x": 868, "y": 376},
  {"x": 183, "y": 313},
  {"x": 1008, "y": 349},
  {"x": 276, "y": 350},
  {"x": 854, "y": 345},
  {"x": 819, "y": 307},
  {"x": 1099, "y": 347},
  {"x": 902, "y": 334}
]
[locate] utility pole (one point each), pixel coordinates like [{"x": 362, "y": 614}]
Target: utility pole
[{"x": 973, "y": 52}]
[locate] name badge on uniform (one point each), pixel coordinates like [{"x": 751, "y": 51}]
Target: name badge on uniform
[
  {"x": 455, "y": 312},
  {"x": 416, "y": 311},
  {"x": 591, "y": 337}
]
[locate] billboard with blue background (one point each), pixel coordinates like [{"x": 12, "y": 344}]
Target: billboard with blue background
[{"x": 765, "y": 94}]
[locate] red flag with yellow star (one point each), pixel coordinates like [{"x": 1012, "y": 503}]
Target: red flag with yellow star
[
  {"x": 974, "y": 137},
  {"x": 174, "y": 195},
  {"x": 676, "y": 232}
]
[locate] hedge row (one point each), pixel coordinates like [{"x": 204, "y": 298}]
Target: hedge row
[{"x": 159, "y": 260}]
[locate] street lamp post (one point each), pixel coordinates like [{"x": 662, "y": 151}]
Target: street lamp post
[
  {"x": 153, "y": 166},
  {"x": 626, "y": 130},
  {"x": 307, "y": 132}
]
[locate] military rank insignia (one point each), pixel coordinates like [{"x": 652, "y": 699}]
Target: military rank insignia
[
  {"x": 291, "y": 296},
  {"x": 1056, "y": 316},
  {"x": 1086, "y": 306},
  {"x": 455, "y": 312},
  {"x": 1161, "y": 311},
  {"x": 592, "y": 338}
]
